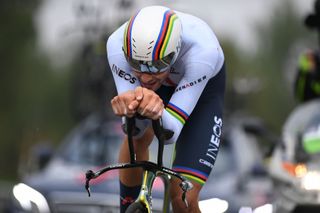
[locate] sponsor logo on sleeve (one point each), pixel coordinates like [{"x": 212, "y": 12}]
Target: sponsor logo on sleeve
[
  {"x": 192, "y": 83},
  {"x": 207, "y": 163},
  {"x": 124, "y": 75}
]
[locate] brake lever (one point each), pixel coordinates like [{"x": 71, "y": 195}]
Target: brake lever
[
  {"x": 89, "y": 175},
  {"x": 88, "y": 188},
  {"x": 185, "y": 186}
]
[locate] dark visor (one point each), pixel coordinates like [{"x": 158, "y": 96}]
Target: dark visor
[{"x": 151, "y": 66}]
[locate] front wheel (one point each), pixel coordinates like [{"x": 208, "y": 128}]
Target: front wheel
[{"x": 137, "y": 207}]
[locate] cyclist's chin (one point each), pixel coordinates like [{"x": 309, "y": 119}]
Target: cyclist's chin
[{"x": 153, "y": 86}]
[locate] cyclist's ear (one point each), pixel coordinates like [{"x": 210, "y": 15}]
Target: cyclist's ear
[{"x": 139, "y": 93}]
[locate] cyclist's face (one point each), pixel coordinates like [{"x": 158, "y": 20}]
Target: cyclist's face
[{"x": 151, "y": 81}]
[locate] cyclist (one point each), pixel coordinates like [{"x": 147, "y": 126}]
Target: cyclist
[
  {"x": 168, "y": 64},
  {"x": 307, "y": 82}
]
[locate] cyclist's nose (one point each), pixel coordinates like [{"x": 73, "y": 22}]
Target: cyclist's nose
[{"x": 146, "y": 78}]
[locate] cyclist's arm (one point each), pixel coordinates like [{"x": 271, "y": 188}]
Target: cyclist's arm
[
  {"x": 123, "y": 77},
  {"x": 186, "y": 96},
  {"x": 121, "y": 71}
]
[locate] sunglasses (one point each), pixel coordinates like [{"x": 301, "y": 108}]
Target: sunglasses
[{"x": 156, "y": 66}]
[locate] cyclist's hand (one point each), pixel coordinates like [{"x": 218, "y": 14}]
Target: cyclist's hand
[
  {"x": 125, "y": 104},
  {"x": 150, "y": 104}
]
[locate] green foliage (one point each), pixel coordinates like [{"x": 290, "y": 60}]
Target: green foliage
[
  {"x": 273, "y": 101},
  {"x": 278, "y": 36},
  {"x": 34, "y": 98}
]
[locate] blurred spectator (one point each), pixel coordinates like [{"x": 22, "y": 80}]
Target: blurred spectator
[{"x": 307, "y": 82}]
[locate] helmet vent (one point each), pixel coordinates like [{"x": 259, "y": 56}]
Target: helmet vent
[
  {"x": 133, "y": 45},
  {"x": 150, "y": 47}
]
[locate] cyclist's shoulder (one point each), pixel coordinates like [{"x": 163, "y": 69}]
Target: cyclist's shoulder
[
  {"x": 194, "y": 27},
  {"x": 199, "y": 40},
  {"x": 116, "y": 35},
  {"x": 114, "y": 41},
  {"x": 187, "y": 18}
]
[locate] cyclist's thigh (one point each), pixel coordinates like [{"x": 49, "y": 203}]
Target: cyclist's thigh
[{"x": 198, "y": 144}]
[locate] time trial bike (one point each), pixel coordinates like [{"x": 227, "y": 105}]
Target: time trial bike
[{"x": 151, "y": 170}]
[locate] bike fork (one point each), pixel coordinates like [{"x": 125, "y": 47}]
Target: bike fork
[
  {"x": 146, "y": 187},
  {"x": 166, "y": 200}
]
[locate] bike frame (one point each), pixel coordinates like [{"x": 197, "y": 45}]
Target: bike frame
[
  {"x": 151, "y": 170},
  {"x": 146, "y": 188}
]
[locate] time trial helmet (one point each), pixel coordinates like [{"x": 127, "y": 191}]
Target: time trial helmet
[{"x": 152, "y": 39}]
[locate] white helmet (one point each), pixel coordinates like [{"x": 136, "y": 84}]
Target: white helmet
[{"x": 152, "y": 39}]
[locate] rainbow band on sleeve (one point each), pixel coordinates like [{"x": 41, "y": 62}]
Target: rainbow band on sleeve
[
  {"x": 176, "y": 112},
  {"x": 165, "y": 33},
  {"x": 192, "y": 174}
]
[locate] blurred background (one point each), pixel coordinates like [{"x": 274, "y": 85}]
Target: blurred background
[{"x": 55, "y": 72}]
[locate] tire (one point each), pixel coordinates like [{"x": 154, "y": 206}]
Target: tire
[{"x": 137, "y": 207}]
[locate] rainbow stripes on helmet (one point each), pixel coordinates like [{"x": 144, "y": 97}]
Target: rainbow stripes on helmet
[
  {"x": 164, "y": 35},
  {"x": 127, "y": 37},
  {"x": 160, "y": 46}
]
